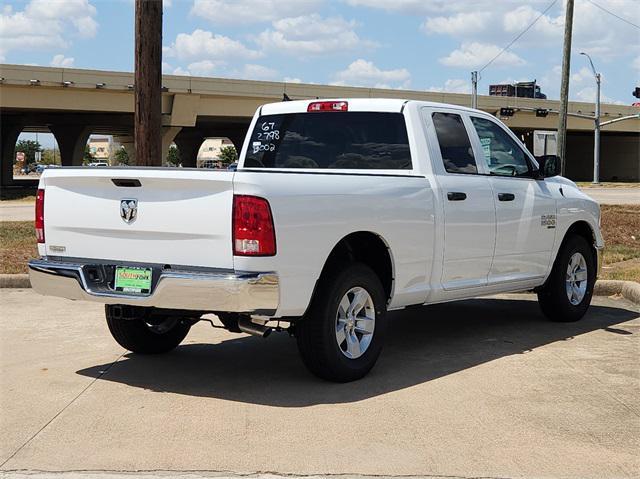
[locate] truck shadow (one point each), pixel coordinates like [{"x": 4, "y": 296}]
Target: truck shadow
[{"x": 424, "y": 343}]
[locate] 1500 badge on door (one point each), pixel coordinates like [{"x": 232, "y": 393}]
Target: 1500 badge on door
[{"x": 548, "y": 220}]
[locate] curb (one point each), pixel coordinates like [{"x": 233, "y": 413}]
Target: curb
[
  {"x": 14, "y": 281},
  {"x": 630, "y": 290}
]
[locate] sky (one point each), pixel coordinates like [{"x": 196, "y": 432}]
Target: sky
[{"x": 410, "y": 44}]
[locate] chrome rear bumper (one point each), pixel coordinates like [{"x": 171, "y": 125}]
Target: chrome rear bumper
[{"x": 198, "y": 289}]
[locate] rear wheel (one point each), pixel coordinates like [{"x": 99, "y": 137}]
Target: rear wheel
[
  {"x": 567, "y": 293},
  {"x": 341, "y": 336},
  {"x": 147, "y": 334}
]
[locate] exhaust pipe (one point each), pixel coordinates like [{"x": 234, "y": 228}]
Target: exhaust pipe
[{"x": 247, "y": 326}]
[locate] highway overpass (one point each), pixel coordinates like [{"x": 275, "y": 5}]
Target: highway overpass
[{"x": 73, "y": 104}]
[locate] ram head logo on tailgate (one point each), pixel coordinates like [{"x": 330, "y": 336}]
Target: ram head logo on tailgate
[{"x": 128, "y": 210}]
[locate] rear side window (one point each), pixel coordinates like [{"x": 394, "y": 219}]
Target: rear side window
[
  {"x": 455, "y": 146},
  {"x": 338, "y": 140}
]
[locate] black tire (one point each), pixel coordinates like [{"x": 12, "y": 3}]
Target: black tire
[
  {"x": 137, "y": 336},
  {"x": 316, "y": 332},
  {"x": 553, "y": 298},
  {"x": 230, "y": 321}
]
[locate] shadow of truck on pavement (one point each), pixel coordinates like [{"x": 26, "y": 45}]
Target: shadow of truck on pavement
[{"x": 424, "y": 343}]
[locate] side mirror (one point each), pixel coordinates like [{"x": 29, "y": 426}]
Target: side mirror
[{"x": 549, "y": 165}]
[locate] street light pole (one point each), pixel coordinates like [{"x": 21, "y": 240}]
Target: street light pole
[{"x": 596, "y": 129}]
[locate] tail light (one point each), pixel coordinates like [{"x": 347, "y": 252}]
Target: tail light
[
  {"x": 40, "y": 216},
  {"x": 253, "y": 231},
  {"x": 328, "y": 106}
]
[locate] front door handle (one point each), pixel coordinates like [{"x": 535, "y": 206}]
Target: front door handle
[
  {"x": 506, "y": 196},
  {"x": 456, "y": 196}
]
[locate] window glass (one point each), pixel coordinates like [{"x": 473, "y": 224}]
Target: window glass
[
  {"x": 503, "y": 155},
  {"x": 455, "y": 147},
  {"x": 339, "y": 140}
]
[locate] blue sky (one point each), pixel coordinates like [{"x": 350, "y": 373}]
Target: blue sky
[{"x": 415, "y": 44}]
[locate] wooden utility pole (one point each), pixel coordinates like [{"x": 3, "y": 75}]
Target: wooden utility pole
[
  {"x": 148, "y": 83},
  {"x": 564, "y": 87}
]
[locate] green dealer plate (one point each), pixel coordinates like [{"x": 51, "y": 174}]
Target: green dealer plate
[{"x": 133, "y": 280}]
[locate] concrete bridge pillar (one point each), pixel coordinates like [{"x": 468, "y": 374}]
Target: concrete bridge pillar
[
  {"x": 168, "y": 136},
  {"x": 9, "y": 133},
  {"x": 72, "y": 140},
  {"x": 188, "y": 142}
]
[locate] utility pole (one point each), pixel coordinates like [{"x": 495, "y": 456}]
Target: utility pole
[
  {"x": 564, "y": 88},
  {"x": 148, "y": 83},
  {"x": 474, "y": 86}
]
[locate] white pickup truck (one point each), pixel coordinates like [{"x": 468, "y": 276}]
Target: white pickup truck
[{"x": 339, "y": 211}]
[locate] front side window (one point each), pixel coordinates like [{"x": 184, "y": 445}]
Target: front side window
[
  {"x": 337, "y": 140},
  {"x": 455, "y": 147},
  {"x": 503, "y": 156}
]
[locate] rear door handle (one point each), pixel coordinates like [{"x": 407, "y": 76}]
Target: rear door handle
[
  {"x": 506, "y": 196},
  {"x": 456, "y": 196}
]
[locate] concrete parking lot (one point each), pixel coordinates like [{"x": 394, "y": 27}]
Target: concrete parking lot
[{"x": 481, "y": 388}]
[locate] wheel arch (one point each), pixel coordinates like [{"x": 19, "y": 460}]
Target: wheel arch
[
  {"x": 365, "y": 247},
  {"x": 582, "y": 228}
]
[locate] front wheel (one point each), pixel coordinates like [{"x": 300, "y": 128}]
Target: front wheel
[
  {"x": 145, "y": 334},
  {"x": 566, "y": 295},
  {"x": 341, "y": 336}
]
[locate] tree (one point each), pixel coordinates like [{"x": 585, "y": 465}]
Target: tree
[
  {"x": 88, "y": 156},
  {"x": 49, "y": 157},
  {"x": 29, "y": 148},
  {"x": 121, "y": 156},
  {"x": 228, "y": 154},
  {"x": 173, "y": 157}
]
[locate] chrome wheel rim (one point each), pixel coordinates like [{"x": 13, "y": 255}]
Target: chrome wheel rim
[
  {"x": 576, "y": 279},
  {"x": 355, "y": 322}
]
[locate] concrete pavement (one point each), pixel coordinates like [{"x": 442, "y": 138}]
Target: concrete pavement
[
  {"x": 481, "y": 388},
  {"x": 16, "y": 211},
  {"x": 614, "y": 196}
]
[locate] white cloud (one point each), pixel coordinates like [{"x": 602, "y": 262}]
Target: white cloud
[
  {"x": 204, "y": 45},
  {"x": 292, "y": 80},
  {"x": 454, "y": 85},
  {"x": 43, "y": 26},
  {"x": 475, "y": 54},
  {"x": 62, "y": 61},
  {"x": 636, "y": 63},
  {"x": 257, "y": 72},
  {"x": 364, "y": 73},
  {"x": 251, "y": 11},
  {"x": 466, "y": 24},
  {"x": 312, "y": 35},
  {"x": 588, "y": 94},
  {"x": 439, "y": 6}
]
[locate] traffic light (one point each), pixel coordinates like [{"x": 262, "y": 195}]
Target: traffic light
[
  {"x": 636, "y": 92},
  {"x": 542, "y": 112},
  {"x": 506, "y": 111}
]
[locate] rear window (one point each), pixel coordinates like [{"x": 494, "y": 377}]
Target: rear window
[{"x": 339, "y": 140}]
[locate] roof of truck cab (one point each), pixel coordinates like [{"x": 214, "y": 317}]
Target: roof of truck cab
[{"x": 355, "y": 104}]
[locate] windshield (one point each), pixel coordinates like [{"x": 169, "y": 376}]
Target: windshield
[{"x": 338, "y": 140}]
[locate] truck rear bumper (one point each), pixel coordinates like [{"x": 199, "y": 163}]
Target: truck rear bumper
[{"x": 198, "y": 289}]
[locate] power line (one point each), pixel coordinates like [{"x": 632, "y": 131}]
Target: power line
[
  {"x": 519, "y": 35},
  {"x": 613, "y": 14}
]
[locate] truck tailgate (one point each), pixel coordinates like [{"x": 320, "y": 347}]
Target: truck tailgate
[{"x": 183, "y": 216}]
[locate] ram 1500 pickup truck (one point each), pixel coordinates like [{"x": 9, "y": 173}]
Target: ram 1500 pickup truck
[{"x": 339, "y": 211}]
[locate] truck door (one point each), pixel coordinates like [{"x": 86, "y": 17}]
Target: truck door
[
  {"x": 525, "y": 208},
  {"x": 467, "y": 199}
]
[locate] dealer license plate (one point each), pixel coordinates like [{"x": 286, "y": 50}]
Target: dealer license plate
[{"x": 133, "y": 280}]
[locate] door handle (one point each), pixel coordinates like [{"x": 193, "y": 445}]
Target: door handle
[
  {"x": 456, "y": 196},
  {"x": 506, "y": 196}
]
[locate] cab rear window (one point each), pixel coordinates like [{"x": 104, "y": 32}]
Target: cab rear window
[{"x": 336, "y": 140}]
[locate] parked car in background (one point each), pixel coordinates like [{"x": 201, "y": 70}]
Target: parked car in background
[{"x": 339, "y": 211}]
